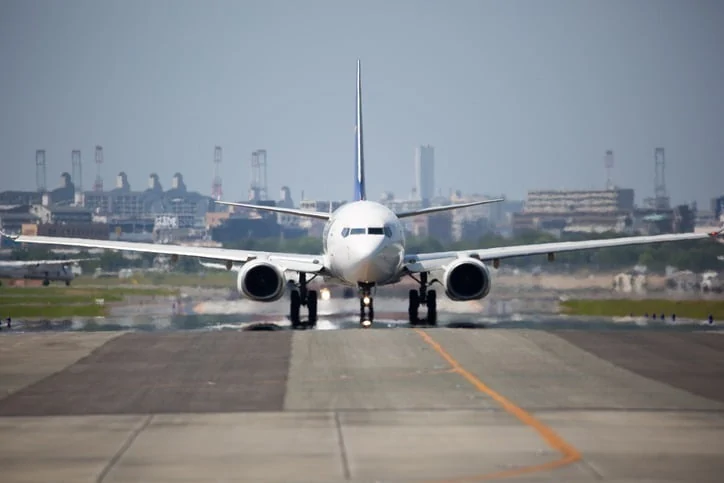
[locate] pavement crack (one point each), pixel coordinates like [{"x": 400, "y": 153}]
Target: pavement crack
[
  {"x": 342, "y": 448},
  {"x": 124, "y": 447}
]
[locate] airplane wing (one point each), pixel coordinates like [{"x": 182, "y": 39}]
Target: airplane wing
[
  {"x": 432, "y": 261},
  {"x": 278, "y": 209},
  {"x": 289, "y": 261},
  {"x": 220, "y": 266},
  {"x": 437, "y": 209},
  {"x": 29, "y": 263}
]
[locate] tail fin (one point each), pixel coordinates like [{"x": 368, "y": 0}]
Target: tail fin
[{"x": 359, "y": 183}]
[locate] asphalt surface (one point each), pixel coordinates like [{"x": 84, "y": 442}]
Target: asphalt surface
[{"x": 362, "y": 405}]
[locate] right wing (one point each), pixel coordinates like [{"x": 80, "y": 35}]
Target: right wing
[
  {"x": 433, "y": 261},
  {"x": 296, "y": 262}
]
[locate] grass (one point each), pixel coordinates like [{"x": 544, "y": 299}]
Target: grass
[
  {"x": 690, "y": 309},
  {"x": 63, "y": 302},
  {"x": 220, "y": 279},
  {"x": 87, "y": 292},
  {"x": 52, "y": 311},
  {"x": 37, "y": 299}
]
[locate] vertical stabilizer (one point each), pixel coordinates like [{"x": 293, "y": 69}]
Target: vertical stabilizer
[{"x": 359, "y": 182}]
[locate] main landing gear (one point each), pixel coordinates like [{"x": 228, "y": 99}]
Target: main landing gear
[
  {"x": 420, "y": 297},
  {"x": 301, "y": 296}
]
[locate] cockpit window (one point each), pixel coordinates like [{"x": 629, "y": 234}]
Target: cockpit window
[
  {"x": 375, "y": 231},
  {"x": 345, "y": 232},
  {"x": 388, "y": 232},
  {"x": 357, "y": 231}
]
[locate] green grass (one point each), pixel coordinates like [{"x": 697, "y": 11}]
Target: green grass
[
  {"x": 214, "y": 279},
  {"x": 690, "y": 309},
  {"x": 37, "y": 299},
  {"x": 107, "y": 292},
  {"x": 52, "y": 311}
]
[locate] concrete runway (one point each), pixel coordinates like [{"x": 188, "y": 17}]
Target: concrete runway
[{"x": 362, "y": 405}]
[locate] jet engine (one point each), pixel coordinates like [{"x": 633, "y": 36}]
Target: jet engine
[
  {"x": 261, "y": 281},
  {"x": 466, "y": 279}
]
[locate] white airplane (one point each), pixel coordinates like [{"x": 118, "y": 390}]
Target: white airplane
[
  {"x": 363, "y": 247},
  {"x": 45, "y": 270}
]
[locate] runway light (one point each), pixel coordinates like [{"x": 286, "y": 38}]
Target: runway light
[
  {"x": 366, "y": 300},
  {"x": 325, "y": 294},
  {"x": 366, "y": 323}
]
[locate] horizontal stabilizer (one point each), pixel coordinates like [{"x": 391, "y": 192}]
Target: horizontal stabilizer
[
  {"x": 278, "y": 209},
  {"x": 436, "y": 209}
]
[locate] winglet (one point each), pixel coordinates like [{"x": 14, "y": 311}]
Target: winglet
[{"x": 359, "y": 181}]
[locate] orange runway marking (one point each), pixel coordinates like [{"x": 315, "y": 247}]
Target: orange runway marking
[{"x": 569, "y": 454}]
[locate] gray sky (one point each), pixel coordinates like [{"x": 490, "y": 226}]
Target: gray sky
[{"x": 514, "y": 95}]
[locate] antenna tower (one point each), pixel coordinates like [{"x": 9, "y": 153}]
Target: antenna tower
[
  {"x": 40, "y": 179},
  {"x": 216, "y": 192},
  {"x": 98, "y": 184},
  {"x": 608, "y": 162},
  {"x": 258, "y": 175},
  {"x": 77, "y": 173},
  {"x": 660, "y": 195}
]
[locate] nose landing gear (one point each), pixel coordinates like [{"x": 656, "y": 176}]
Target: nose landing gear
[
  {"x": 366, "y": 305},
  {"x": 419, "y": 297},
  {"x": 300, "y": 297}
]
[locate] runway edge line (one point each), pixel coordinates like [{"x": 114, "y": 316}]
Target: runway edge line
[{"x": 569, "y": 454}]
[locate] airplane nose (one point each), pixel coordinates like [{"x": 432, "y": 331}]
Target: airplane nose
[{"x": 364, "y": 249}]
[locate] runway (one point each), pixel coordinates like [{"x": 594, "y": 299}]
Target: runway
[{"x": 362, "y": 405}]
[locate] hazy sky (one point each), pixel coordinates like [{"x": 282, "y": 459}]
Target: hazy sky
[{"x": 514, "y": 95}]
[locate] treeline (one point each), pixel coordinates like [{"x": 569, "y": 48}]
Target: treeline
[{"x": 697, "y": 255}]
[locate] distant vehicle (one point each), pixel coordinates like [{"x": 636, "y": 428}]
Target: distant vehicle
[
  {"x": 45, "y": 270},
  {"x": 364, "y": 247}
]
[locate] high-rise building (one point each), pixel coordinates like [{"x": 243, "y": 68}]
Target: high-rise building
[{"x": 425, "y": 173}]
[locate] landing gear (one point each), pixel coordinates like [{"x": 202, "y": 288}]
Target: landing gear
[
  {"x": 419, "y": 297},
  {"x": 46, "y": 282},
  {"x": 300, "y": 297},
  {"x": 366, "y": 305}
]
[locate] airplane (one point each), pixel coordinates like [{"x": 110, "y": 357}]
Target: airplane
[
  {"x": 45, "y": 270},
  {"x": 364, "y": 248}
]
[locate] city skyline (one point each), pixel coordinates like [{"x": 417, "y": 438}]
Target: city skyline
[{"x": 510, "y": 103}]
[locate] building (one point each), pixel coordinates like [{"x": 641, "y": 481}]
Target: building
[
  {"x": 13, "y": 219},
  {"x": 425, "y": 174},
  {"x": 123, "y": 205},
  {"x": 583, "y": 211},
  {"x": 62, "y": 214},
  {"x": 97, "y": 231}
]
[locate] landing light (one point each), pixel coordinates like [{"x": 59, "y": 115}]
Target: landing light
[
  {"x": 366, "y": 323},
  {"x": 324, "y": 293},
  {"x": 366, "y": 300}
]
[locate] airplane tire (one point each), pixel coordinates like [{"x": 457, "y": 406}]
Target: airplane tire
[
  {"x": 413, "y": 307},
  {"x": 295, "y": 305},
  {"x": 312, "y": 298},
  {"x": 431, "y": 307},
  {"x": 46, "y": 282}
]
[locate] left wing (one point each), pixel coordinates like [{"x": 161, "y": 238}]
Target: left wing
[
  {"x": 296, "y": 262},
  {"x": 433, "y": 261},
  {"x": 278, "y": 209}
]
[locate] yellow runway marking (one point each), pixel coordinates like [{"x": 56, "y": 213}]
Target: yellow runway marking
[{"x": 569, "y": 454}]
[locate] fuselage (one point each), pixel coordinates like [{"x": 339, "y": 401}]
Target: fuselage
[{"x": 364, "y": 242}]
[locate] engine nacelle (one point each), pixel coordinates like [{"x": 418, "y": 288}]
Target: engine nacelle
[
  {"x": 466, "y": 279},
  {"x": 261, "y": 281}
]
